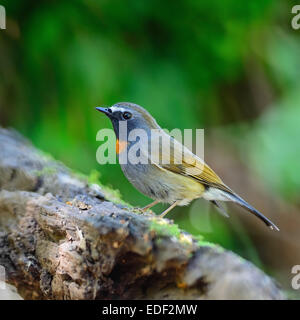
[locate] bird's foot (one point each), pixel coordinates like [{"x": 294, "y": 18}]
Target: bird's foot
[{"x": 142, "y": 210}]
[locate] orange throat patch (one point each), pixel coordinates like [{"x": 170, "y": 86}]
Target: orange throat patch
[{"x": 120, "y": 146}]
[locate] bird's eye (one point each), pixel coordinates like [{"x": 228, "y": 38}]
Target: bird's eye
[
  {"x": 127, "y": 115},
  {"x": 109, "y": 110}
]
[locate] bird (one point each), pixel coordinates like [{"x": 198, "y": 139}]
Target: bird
[{"x": 178, "y": 181}]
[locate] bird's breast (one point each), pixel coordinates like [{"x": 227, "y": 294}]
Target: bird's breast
[{"x": 121, "y": 146}]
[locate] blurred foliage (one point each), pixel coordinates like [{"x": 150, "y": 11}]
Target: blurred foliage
[{"x": 191, "y": 63}]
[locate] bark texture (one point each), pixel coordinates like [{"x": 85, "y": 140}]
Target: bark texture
[{"x": 61, "y": 239}]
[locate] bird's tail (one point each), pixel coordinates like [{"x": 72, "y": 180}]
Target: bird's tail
[{"x": 231, "y": 196}]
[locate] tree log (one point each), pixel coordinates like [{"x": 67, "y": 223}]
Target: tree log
[{"x": 60, "y": 238}]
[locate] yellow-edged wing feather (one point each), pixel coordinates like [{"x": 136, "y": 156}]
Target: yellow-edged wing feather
[{"x": 178, "y": 159}]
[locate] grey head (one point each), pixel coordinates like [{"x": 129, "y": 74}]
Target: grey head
[{"x": 135, "y": 116}]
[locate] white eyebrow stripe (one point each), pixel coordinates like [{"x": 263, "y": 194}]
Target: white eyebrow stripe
[{"x": 114, "y": 109}]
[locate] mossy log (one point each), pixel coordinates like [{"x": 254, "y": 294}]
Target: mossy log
[{"x": 60, "y": 238}]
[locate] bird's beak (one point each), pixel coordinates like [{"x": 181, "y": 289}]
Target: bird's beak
[{"x": 103, "y": 110}]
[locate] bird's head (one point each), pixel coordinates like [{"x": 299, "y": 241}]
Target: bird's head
[{"x": 135, "y": 116}]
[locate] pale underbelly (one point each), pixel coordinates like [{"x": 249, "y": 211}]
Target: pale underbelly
[{"x": 163, "y": 185}]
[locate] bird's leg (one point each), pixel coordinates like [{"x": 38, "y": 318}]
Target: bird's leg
[
  {"x": 169, "y": 209},
  {"x": 152, "y": 204}
]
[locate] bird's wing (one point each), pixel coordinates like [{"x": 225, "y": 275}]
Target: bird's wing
[
  {"x": 178, "y": 159},
  {"x": 198, "y": 171}
]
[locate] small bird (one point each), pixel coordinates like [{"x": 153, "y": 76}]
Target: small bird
[{"x": 179, "y": 181}]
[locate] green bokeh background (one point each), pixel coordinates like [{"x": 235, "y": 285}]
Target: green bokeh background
[{"x": 230, "y": 65}]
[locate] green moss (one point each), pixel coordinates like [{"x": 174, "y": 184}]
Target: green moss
[
  {"x": 112, "y": 195},
  {"x": 46, "y": 171},
  {"x": 198, "y": 238},
  {"x": 163, "y": 228},
  {"x": 201, "y": 242},
  {"x": 206, "y": 244}
]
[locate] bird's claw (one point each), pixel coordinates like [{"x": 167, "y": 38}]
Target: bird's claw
[{"x": 143, "y": 211}]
